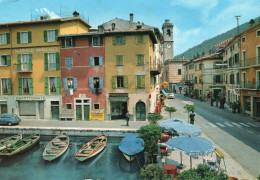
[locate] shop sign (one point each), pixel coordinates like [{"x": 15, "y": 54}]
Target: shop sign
[
  {"x": 31, "y": 50},
  {"x": 251, "y": 93},
  {"x": 3, "y": 98},
  {"x": 118, "y": 95},
  {"x": 82, "y": 95},
  {"x": 30, "y": 98},
  {"x": 96, "y": 115}
]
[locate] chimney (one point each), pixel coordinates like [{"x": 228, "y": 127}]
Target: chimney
[
  {"x": 75, "y": 14},
  {"x": 251, "y": 22},
  {"x": 139, "y": 25},
  {"x": 167, "y": 20},
  {"x": 131, "y": 17},
  {"x": 100, "y": 28}
]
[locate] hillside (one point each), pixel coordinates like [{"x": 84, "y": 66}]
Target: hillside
[{"x": 207, "y": 44}]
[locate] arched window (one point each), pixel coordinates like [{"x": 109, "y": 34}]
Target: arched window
[{"x": 168, "y": 32}]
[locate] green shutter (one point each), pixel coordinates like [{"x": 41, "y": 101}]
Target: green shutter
[
  {"x": 123, "y": 39},
  {"x": 46, "y": 86},
  {"x": 57, "y": 61},
  {"x": 58, "y": 85},
  {"x": 19, "y": 62},
  {"x": 143, "y": 81},
  {"x": 7, "y": 38},
  {"x": 29, "y": 36},
  {"x": 45, "y": 35},
  {"x": 9, "y": 86},
  {"x": 138, "y": 81},
  {"x": 8, "y": 60},
  {"x": 30, "y": 62},
  {"x": 20, "y": 85},
  {"x": 56, "y": 34},
  {"x": 18, "y": 38},
  {"x": 46, "y": 61},
  {"x": 125, "y": 82},
  {"x": 214, "y": 79},
  {"x": 31, "y": 86},
  {"x": 114, "y": 82},
  {"x": 114, "y": 40},
  {"x": 140, "y": 39}
]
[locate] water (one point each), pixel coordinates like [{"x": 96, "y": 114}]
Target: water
[{"x": 109, "y": 164}]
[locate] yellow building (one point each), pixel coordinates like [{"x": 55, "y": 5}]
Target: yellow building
[{"x": 30, "y": 65}]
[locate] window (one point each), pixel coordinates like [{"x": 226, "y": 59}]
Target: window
[
  {"x": 237, "y": 58},
  {"x": 96, "y": 82},
  {"x": 120, "y": 81},
  {"x": 243, "y": 58},
  {"x": 3, "y": 60},
  {"x": 258, "y": 33},
  {"x": 4, "y": 38},
  {"x": 119, "y": 60},
  {"x": 140, "y": 59},
  {"x": 243, "y": 39},
  {"x": 179, "y": 71},
  {"x": 195, "y": 80},
  {"x": 68, "y": 62},
  {"x": 52, "y": 61},
  {"x": 96, "y": 61},
  {"x": 25, "y": 62},
  {"x": 238, "y": 78},
  {"x": 68, "y": 42},
  {"x": 232, "y": 79},
  {"x": 24, "y": 37},
  {"x": 96, "y": 106},
  {"x": 97, "y": 41},
  {"x": 50, "y": 35},
  {"x": 119, "y": 40},
  {"x": 70, "y": 83},
  {"x": 139, "y": 39},
  {"x": 200, "y": 66},
  {"x": 140, "y": 81},
  {"x": 25, "y": 86},
  {"x": 68, "y": 106},
  {"x": 52, "y": 85},
  {"x": 6, "y": 86},
  {"x": 168, "y": 32},
  {"x": 258, "y": 54},
  {"x": 217, "y": 79}
]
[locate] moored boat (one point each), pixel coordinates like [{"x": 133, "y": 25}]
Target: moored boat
[
  {"x": 92, "y": 148},
  {"x": 8, "y": 141},
  {"x": 131, "y": 145},
  {"x": 20, "y": 146},
  {"x": 56, "y": 147}
]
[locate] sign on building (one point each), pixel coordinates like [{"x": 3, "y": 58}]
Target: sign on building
[{"x": 96, "y": 115}]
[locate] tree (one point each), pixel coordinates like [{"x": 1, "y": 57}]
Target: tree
[
  {"x": 189, "y": 108},
  {"x": 198, "y": 55},
  {"x": 203, "y": 53},
  {"x": 202, "y": 172},
  {"x": 153, "y": 172},
  {"x": 170, "y": 110},
  {"x": 154, "y": 117},
  {"x": 150, "y": 134}
]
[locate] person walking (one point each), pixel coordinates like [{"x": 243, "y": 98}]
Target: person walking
[
  {"x": 192, "y": 117},
  {"x": 127, "y": 115}
]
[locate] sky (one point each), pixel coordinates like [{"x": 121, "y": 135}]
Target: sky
[{"x": 194, "y": 20}]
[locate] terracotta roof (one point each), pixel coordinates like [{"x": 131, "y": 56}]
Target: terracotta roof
[{"x": 223, "y": 43}]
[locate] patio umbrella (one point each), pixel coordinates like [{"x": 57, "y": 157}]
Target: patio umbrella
[
  {"x": 192, "y": 146},
  {"x": 180, "y": 126}
]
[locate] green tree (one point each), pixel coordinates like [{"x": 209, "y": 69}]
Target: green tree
[
  {"x": 170, "y": 110},
  {"x": 198, "y": 55},
  {"x": 153, "y": 172},
  {"x": 150, "y": 134},
  {"x": 154, "y": 117},
  {"x": 258, "y": 177},
  {"x": 203, "y": 53},
  {"x": 189, "y": 108}
]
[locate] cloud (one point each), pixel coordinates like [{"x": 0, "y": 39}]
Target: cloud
[{"x": 44, "y": 11}]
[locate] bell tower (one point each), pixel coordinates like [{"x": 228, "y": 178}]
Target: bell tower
[{"x": 167, "y": 29}]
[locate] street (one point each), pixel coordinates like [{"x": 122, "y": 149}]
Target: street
[{"x": 238, "y": 135}]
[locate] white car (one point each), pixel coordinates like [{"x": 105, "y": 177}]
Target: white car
[{"x": 170, "y": 96}]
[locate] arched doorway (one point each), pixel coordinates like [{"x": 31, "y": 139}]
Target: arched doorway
[{"x": 140, "y": 111}]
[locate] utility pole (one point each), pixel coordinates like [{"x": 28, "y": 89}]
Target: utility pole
[{"x": 237, "y": 17}]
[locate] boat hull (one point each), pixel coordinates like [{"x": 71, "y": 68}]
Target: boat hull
[
  {"x": 7, "y": 142},
  {"x": 129, "y": 158}
]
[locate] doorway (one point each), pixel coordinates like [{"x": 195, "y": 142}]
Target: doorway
[
  {"x": 82, "y": 107},
  {"x": 140, "y": 111},
  {"x": 118, "y": 110}
]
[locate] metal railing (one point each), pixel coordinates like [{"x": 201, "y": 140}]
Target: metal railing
[
  {"x": 23, "y": 67},
  {"x": 250, "y": 85}
]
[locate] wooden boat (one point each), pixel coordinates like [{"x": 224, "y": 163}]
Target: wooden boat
[
  {"x": 130, "y": 146},
  {"x": 6, "y": 142},
  {"x": 56, "y": 147},
  {"x": 20, "y": 146},
  {"x": 92, "y": 148}
]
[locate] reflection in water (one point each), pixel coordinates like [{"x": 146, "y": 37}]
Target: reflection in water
[{"x": 109, "y": 164}]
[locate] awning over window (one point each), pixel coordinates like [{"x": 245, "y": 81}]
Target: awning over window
[{"x": 118, "y": 99}]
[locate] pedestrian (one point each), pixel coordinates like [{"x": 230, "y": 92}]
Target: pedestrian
[
  {"x": 238, "y": 107},
  {"x": 192, "y": 117},
  {"x": 127, "y": 115}
]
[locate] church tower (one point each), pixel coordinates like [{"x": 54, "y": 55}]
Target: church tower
[{"x": 167, "y": 29}]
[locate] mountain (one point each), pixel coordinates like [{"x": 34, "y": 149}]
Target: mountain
[{"x": 207, "y": 44}]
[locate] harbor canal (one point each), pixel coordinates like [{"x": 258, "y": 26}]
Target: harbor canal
[{"x": 108, "y": 165}]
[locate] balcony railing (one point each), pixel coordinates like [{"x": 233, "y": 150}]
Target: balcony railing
[
  {"x": 51, "y": 66},
  {"x": 250, "y": 62},
  {"x": 23, "y": 67},
  {"x": 250, "y": 85},
  {"x": 155, "y": 69}
]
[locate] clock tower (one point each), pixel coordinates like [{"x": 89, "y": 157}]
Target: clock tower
[{"x": 167, "y": 29}]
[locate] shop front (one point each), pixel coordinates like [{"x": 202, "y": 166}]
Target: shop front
[
  {"x": 3, "y": 105},
  {"x": 118, "y": 105}
]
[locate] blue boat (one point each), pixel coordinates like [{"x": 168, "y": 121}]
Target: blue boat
[{"x": 131, "y": 145}]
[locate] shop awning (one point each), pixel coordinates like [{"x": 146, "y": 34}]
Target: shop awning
[
  {"x": 118, "y": 99},
  {"x": 164, "y": 93}
]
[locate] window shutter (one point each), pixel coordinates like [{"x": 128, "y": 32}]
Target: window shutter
[
  {"x": 57, "y": 61},
  {"x": 75, "y": 83},
  {"x": 94, "y": 91},
  {"x": 101, "y": 82},
  {"x": 7, "y": 38},
  {"x": 68, "y": 61},
  {"x": 125, "y": 81},
  {"x": 8, "y": 60},
  {"x": 91, "y": 61},
  {"x": 90, "y": 86},
  {"x": 45, "y": 35},
  {"x": 56, "y": 34},
  {"x": 18, "y": 38},
  {"x": 73, "y": 42},
  {"x": 142, "y": 81},
  {"x": 214, "y": 79},
  {"x": 90, "y": 41},
  {"x": 30, "y": 61},
  {"x": 58, "y": 85},
  {"x": 29, "y": 37},
  {"x": 138, "y": 81},
  {"x": 113, "y": 82},
  {"x": 46, "y": 61},
  {"x": 101, "y": 60},
  {"x": 46, "y": 86},
  {"x": 20, "y": 81},
  {"x": 214, "y": 65},
  {"x": 31, "y": 86},
  {"x": 114, "y": 40},
  {"x": 9, "y": 86},
  {"x": 123, "y": 39},
  {"x": 64, "y": 83},
  {"x": 19, "y": 62}
]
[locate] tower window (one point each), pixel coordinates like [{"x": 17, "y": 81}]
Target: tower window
[{"x": 168, "y": 32}]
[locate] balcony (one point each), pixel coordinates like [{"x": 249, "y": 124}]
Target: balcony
[
  {"x": 23, "y": 67},
  {"x": 250, "y": 85},
  {"x": 155, "y": 69},
  {"x": 252, "y": 62}
]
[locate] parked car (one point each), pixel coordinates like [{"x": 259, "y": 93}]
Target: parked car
[
  {"x": 170, "y": 96},
  {"x": 9, "y": 119}
]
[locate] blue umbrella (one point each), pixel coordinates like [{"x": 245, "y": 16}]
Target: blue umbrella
[{"x": 180, "y": 126}]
